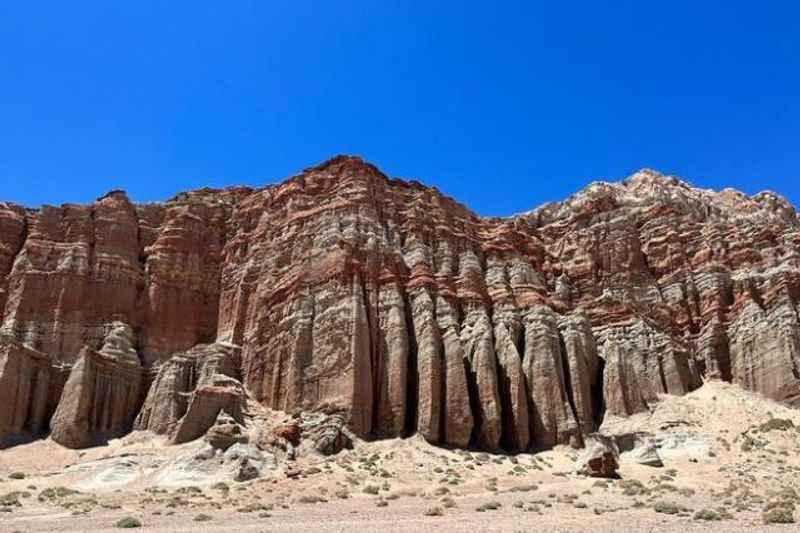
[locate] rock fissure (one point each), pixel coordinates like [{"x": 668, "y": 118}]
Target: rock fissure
[{"x": 598, "y": 399}]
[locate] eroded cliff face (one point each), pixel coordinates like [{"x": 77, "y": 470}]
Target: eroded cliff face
[
  {"x": 102, "y": 394},
  {"x": 387, "y": 302},
  {"x": 190, "y": 391}
]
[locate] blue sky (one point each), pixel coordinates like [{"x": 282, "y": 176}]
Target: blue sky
[{"x": 503, "y": 105}]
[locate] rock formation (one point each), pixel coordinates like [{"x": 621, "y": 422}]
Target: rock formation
[
  {"x": 190, "y": 391},
  {"x": 30, "y": 387},
  {"x": 102, "y": 394},
  {"x": 327, "y": 432},
  {"x": 225, "y": 432},
  {"x": 384, "y": 301},
  {"x": 600, "y": 457}
]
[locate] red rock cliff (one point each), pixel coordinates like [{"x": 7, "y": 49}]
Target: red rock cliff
[{"x": 387, "y": 301}]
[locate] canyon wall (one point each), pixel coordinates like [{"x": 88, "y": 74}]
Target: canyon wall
[{"x": 345, "y": 291}]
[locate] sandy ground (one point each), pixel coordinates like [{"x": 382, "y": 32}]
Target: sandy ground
[{"x": 715, "y": 459}]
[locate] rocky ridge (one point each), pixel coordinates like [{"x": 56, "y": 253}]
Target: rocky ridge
[{"x": 391, "y": 307}]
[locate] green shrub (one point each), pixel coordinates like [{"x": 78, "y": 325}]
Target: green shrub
[
  {"x": 779, "y": 503},
  {"x": 490, "y": 506},
  {"x": 191, "y": 489},
  {"x": 56, "y": 493},
  {"x": 633, "y": 487},
  {"x": 312, "y": 498},
  {"x": 128, "y": 523},
  {"x": 707, "y": 514},
  {"x": 525, "y": 488},
  {"x": 254, "y": 508},
  {"x": 666, "y": 508},
  {"x": 776, "y": 424},
  {"x": 371, "y": 489},
  {"x": 10, "y": 500},
  {"x": 778, "y": 515}
]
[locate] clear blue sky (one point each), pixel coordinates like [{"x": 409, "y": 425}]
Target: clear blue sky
[{"x": 503, "y": 105}]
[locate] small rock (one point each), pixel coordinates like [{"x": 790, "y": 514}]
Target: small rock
[
  {"x": 225, "y": 432},
  {"x": 646, "y": 453},
  {"x": 246, "y": 471}
]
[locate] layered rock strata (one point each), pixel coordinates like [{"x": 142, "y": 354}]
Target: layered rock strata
[
  {"x": 30, "y": 387},
  {"x": 191, "y": 390},
  {"x": 397, "y": 308},
  {"x": 102, "y": 394}
]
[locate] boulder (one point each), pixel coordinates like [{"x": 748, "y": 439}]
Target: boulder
[
  {"x": 327, "y": 433},
  {"x": 245, "y": 470},
  {"x": 683, "y": 445},
  {"x": 646, "y": 453},
  {"x": 225, "y": 432},
  {"x": 600, "y": 458},
  {"x": 638, "y": 447},
  {"x": 205, "y": 405},
  {"x": 289, "y": 432},
  {"x": 247, "y": 462}
]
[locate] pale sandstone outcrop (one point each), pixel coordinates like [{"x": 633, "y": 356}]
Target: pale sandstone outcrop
[
  {"x": 458, "y": 416},
  {"x": 327, "y": 433},
  {"x": 391, "y": 364},
  {"x": 190, "y": 391},
  {"x": 102, "y": 394},
  {"x": 430, "y": 367},
  {"x": 512, "y": 383},
  {"x": 553, "y": 417},
  {"x": 642, "y": 363},
  {"x": 646, "y": 453},
  {"x": 580, "y": 369},
  {"x": 478, "y": 340},
  {"x": 765, "y": 350}
]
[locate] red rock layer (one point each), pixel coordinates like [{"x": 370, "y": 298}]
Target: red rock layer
[{"x": 348, "y": 291}]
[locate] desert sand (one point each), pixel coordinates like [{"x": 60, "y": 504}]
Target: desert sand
[{"x": 728, "y": 455}]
